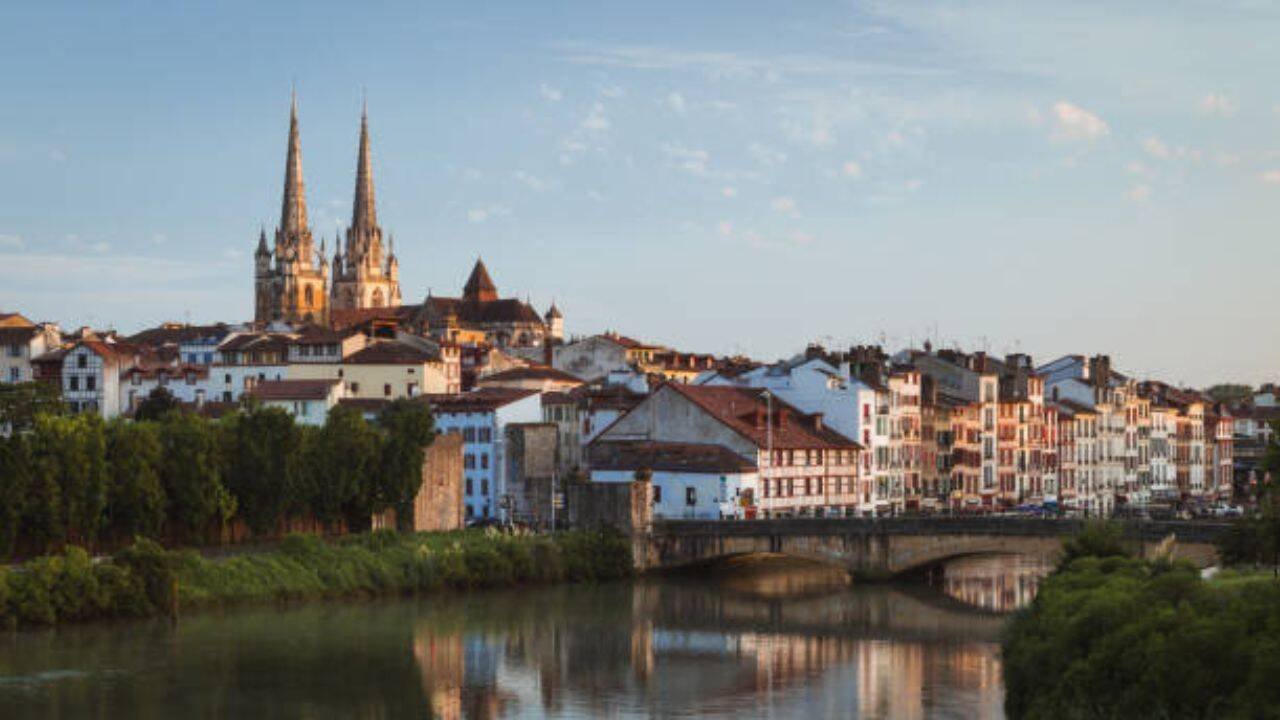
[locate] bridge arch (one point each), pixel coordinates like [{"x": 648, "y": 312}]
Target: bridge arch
[{"x": 890, "y": 547}]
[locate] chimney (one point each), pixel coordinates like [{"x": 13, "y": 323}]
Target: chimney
[{"x": 817, "y": 421}]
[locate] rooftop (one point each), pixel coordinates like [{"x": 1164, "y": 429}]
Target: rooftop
[
  {"x": 293, "y": 389},
  {"x": 667, "y": 457}
]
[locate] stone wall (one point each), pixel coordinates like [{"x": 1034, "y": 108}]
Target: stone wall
[
  {"x": 531, "y": 468},
  {"x": 626, "y": 507},
  {"x": 438, "y": 506}
]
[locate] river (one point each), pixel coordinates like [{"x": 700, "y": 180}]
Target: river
[{"x": 761, "y": 638}]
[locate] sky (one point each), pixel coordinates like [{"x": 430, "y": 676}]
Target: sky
[{"x": 728, "y": 177}]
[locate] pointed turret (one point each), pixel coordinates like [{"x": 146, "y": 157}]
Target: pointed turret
[
  {"x": 364, "y": 214},
  {"x": 480, "y": 287},
  {"x": 293, "y": 211},
  {"x": 262, "y": 243}
]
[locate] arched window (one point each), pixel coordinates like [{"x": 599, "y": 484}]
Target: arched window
[
  {"x": 377, "y": 300},
  {"x": 310, "y": 296}
]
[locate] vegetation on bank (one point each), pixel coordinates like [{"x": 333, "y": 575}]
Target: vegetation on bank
[
  {"x": 1113, "y": 636},
  {"x": 146, "y": 580},
  {"x": 181, "y": 478}
]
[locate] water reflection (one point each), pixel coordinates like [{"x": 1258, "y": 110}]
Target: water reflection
[
  {"x": 756, "y": 642},
  {"x": 1000, "y": 583}
]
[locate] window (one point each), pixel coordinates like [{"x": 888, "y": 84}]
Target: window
[
  {"x": 469, "y": 434},
  {"x": 386, "y": 389},
  {"x": 484, "y": 460},
  {"x": 485, "y": 434},
  {"x": 657, "y": 494},
  {"x": 355, "y": 387},
  {"x": 470, "y": 511},
  {"x": 82, "y": 361},
  {"x": 91, "y": 383},
  {"x": 15, "y": 350},
  {"x": 484, "y": 486},
  {"x": 73, "y": 382},
  {"x": 469, "y": 461},
  {"x": 227, "y": 378},
  {"x": 14, "y": 374},
  {"x": 691, "y": 496},
  {"x": 469, "y": 487}
]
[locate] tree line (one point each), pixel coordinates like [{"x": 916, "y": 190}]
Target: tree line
[{"x": 174, "y": 475}]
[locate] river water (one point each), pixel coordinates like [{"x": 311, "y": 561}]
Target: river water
[{"x": 761, "y": 638}]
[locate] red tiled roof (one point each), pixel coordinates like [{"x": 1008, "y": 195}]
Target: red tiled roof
[
  {"x": 535, "y": 372},
  {"x": 744, "y": 410},
  {"x": 666, "y": 457},
  {"x": 293, "y": 389},
  {"x": 391, "y": 352},
  {"x": 482, "y": 400},
  {"x": 177, "y": 334}
]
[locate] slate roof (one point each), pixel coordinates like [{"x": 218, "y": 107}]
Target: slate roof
[{"x": 667, "y": 457}]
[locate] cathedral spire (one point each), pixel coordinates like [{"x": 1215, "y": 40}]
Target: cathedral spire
[
  {"x": 364, "y": 214},
  {"x": 293, "y": 212}
]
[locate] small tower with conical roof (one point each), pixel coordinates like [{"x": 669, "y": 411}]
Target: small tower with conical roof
[
  {"x": 555, "y": 323},
  {"x": 479, "y": 287}
]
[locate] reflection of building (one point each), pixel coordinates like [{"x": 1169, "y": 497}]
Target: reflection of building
[{"x": 1002, "y": 583}]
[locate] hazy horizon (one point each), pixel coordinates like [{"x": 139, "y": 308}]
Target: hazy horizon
[{"x": 728, "y": 178}]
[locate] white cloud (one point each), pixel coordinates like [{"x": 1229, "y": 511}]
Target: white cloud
[
  {"x": 1139, "y": 193},
  {"x": 851, "y": 169},
  {"x": 691, "y": 160},
  {"x": 729, "y": 191},
  {"x": 550, "y": 93},
  {"x": 483, "y": 213},
  {"x": 815, "y": 131},
  {"x": 531, "y": 181},
  {"x": 765, "y": 155},
  {"x": 1072, "y": 122},
  {"x": 12, "y": 242},
  {"x": 725, "y": 228},
  {"x": 613, "y": 92},
  {"x": 784, "y": 205},
  {"x": 1218, "y": 104},
  {"x": 1270, "y": 177},
  {"x": 595, "y": 121},
  {"x": 1156, "y": 149},
  {"x": 675, "y": 103}
]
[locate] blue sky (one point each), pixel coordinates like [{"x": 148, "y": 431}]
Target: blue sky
[{"x": 720, "y": 176}]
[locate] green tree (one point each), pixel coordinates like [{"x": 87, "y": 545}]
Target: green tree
[
  {"x": 156, "y": 405},
  {"x": 196, "y": 500},
  {"x": 409, "y": 429},
  {"x": 261, "y": 451},
  {"x": 1099, "y": 538},
  {"x": 15, "y": 489},
  {"x": 1230, "y": 393},
  {"x": 342, "y": 467},
  {"x": 135, "y": 500},
  {"x": 22, "y": 403},
  {"x": 70, "y": 452}
]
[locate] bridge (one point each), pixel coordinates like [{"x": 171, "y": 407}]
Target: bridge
[{"x": 892, "y": 546}]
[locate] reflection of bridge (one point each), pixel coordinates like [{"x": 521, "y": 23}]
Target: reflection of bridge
[{"x": 896, "y": 545}]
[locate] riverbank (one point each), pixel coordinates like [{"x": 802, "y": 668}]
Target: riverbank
[{"x": 146, "y": 580}]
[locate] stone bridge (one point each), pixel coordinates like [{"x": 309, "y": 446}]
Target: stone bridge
[{"x": 892, "y": 546}]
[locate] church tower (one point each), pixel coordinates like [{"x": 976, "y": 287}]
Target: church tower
[
  {"x": 362, "y": 275},
  {"x": 290, "y": 282}
]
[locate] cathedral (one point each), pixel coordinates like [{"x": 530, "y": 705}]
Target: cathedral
[
  {"x": 292, "y": 281},
  {"x": 295, "y": 283}
]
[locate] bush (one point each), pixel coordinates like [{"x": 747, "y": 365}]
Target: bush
[{"x": 146, "y": 580}]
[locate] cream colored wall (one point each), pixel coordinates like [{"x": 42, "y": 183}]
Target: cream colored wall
[{"x": 369, "y": 381}]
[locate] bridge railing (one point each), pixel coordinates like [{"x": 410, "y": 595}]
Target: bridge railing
[{"x": 1183, "y": 530}]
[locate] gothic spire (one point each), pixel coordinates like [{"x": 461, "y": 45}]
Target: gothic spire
[
  {"x": 293, "y": 211},
  {"x": 364, "y": 215},
  {"x": 479, "y": 287}
]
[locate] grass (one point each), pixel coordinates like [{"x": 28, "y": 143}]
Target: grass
[{"x": 146, "y": 580}]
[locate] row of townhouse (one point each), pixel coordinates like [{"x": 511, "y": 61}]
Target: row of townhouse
[
  {"x": 972, "y": 433},
  {"x": 111, "y": 376}
]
